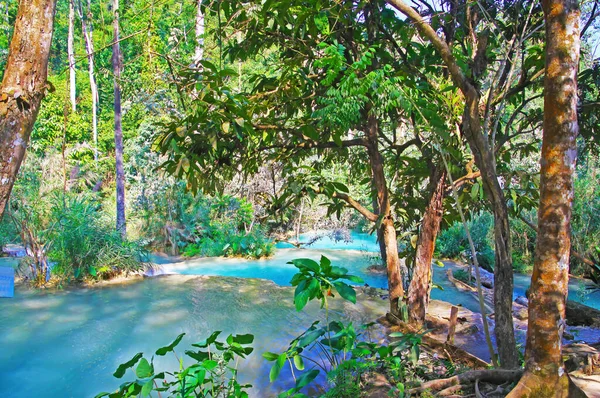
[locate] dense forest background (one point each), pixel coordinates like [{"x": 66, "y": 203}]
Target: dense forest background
[{"x": 239, "y": 204}]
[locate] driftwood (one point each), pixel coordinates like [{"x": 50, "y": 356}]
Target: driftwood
[
  {"x": 582, "y": 315},
  {"x": 443, "y": 349},
  {"x": 496, "y": 376}
]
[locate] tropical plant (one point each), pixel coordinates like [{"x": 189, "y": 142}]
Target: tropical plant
[{"x": 213, "y": 372}]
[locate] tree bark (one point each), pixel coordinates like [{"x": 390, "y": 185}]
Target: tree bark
[
  {"x": 484, "y": 159},
  {"x": 23, "y": 87},
  {"x": 199, "y": 50},
  {"x": 120, "y": 174},
  {"x": 71, "y": 56},
  {"x": 420, "y": 284},
  {"x": 544, "y": 369},
  {"x": 386, "y": 230},
  {"x": 86, "y": 28}
]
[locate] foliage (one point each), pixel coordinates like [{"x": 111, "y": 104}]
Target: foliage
[
  {"x": 452, "y": 242},
  {"x": 213, "y": 372},
  {"x": 319, "y": 280},
  {"x": 461, "y": 275},
  {"x": 83, "y": 246},
  {"x": 345, "y": 352}
]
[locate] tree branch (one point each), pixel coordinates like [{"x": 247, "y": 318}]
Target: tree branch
[
  {"x": 368, "y": 214},
  {"x": 425, "y": 30}
]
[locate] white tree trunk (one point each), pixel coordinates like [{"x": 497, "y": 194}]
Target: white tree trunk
[
  {"x": 199, "y": 53},
  {"x": 71, "y": 54},
  {"x": 86, "y": 28}
]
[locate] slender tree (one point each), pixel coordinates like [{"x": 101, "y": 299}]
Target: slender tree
[
  {"x": 120, "y": 174},
  {"x": 71, "y": 57},
  {"x": 199, "y": 50},
  {"x": 485, "y": 160},
  {"x": 544, "y": 371},
  {"x": 23, "y": 86},
  {"x": 87, "y": 29}
]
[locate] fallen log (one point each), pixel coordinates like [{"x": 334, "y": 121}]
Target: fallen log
[
  {"x": 496, "y": 376},
  {"x": 581, "y": 315}
]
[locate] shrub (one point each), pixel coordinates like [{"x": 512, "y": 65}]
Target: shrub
[
  {"x": 212, "y": 373},
  {"x": 82, "y": 246},
  {"x": 461, "y": 275}
]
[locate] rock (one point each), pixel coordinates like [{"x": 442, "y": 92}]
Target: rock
[
  {"x": 14, "y": 250},
  {"x": 522, "y": 300},
  {"x": 568, "y": 336},
  {"x": 376, "y": 385},
  {"x": 582, "y": 315},
  {"x": 487, "y": 278},
  {"x": 521, "y": 314}
]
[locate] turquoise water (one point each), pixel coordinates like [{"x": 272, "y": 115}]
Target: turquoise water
[{"x": 68, "y": 343}]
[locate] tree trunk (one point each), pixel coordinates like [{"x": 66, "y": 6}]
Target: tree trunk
[
  {"x": 544, "y": 369},
  {"x": 420, "y": 284},
  {"x": 23, "y": 87},
  {"x": 86, "y": 28},
  {"x": 120, "y": 174},
  {"x": 484, "y": 159},
  {"x": 71, "y": 56},
  {"x": 386, "y": 231},
  {"x": 503, "y": 270},
  {"x": 199, "y": 51}
]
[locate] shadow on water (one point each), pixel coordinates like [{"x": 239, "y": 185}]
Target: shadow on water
[{"x": 68, "y": 343}]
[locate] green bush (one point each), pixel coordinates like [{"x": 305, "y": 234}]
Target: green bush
[
  {"x": 452, "y": 242},
  {"x": 461, "y": 275},
  {"x": 83, "y": 246}
]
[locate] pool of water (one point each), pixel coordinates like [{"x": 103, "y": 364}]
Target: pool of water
[{"x": 68, "y": 343}]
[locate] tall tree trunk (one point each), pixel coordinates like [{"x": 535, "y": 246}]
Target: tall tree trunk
[
  {"x": 420, "y": 284},
  {"x": 386, "y": 231},
  {"x": 120, "y": 174},
  {"x": 544, "y": 370},
  {"x": 71, "y": 56},
  {"x": 87, "y": 29},
  {"x": 23, "y": 86},
  {"x": 503, "y": 269},
  {"x": 199, "y": 51},
  {"x": 484, "y": 159}
]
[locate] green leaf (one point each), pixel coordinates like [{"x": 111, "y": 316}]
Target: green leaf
[
  {"x": 322, "y": 23},
  {"x": 206, "y": 342},
  {"x": 163, "y": 350},
  {"x": 147, "y": 388},
  {"x": 439, "y": 263},
  {"x": 92, "y": 271},
  {"x": 298, "y": 362},
  {"x": 306, "y": 263},
  {"x": 354, "y": 278},
  {"x": 474, "y": 190},
  {"x": 144, "y": 369},
  {"x": 210, "y": 364},
  {"x": 276, "y": 369},
  {"x": 301, "y": 299},
  {"x": 243, "y": 338},
  {"x": 306, "y": 378},
  {"x": 270, "y": 356},
  {"x": 310, "y": 337},
  {"x": 346, "y": 291},
  {"x": 124, "y": 366},
  {"x": 325, "y": 265}
]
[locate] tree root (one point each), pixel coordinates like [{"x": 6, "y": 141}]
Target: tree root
[
  {"x": 442, "y": 348},
  {"x": 532, "y": 385},
  {"x": 496, "y": 376}
]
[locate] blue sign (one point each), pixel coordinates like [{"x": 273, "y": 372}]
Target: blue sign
[{"x": 7, "y": 282}]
